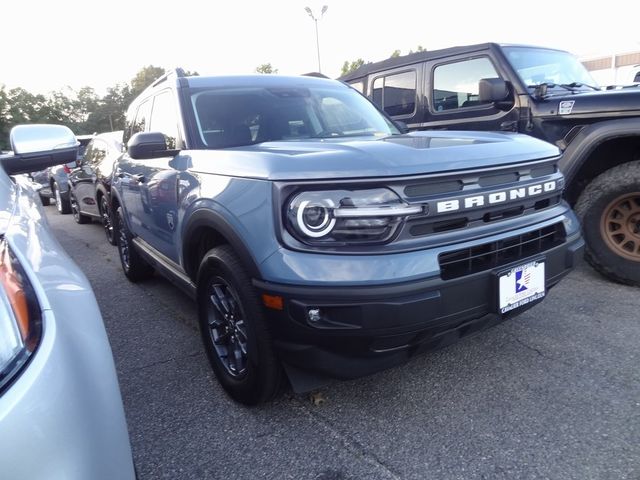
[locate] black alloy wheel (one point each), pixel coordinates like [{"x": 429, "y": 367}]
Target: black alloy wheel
[
  {"x": 227, "y": 328},
  {"x": 234, "y": 331},
  {"x": 107, "y": 223},
  {"x": 134, "y": 266},
  {"x": 75, "y": 211}
]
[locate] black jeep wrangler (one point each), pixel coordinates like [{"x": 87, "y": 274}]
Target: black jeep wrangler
[{"x": 545, "y": 93}]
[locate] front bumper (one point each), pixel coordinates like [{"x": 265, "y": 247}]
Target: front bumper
[{"x": 363, "y": 329}]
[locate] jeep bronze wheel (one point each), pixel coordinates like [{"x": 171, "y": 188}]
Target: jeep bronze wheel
[
  {"x": 620, "y": 226},
  {"x": 609, "y": 209},
  {"x": 234, "y": 331}
]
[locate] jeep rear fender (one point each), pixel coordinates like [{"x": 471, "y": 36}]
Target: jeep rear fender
[
  {"x": 210, "y": 220},
  {"x": 590, "y": 137}
]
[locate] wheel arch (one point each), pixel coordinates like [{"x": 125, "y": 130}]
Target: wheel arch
[
  {"x": 205, "y": 230},
  {"x": 589, "y": 153},
  {"x": 101, "y": 192}
]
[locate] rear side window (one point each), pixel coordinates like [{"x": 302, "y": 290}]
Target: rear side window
[
  {"x": 164, "y": 118},
  {"x": 455, "y": 85},
  {"x": 142, "y": 118},
  {"x": 396, "y": 93}
]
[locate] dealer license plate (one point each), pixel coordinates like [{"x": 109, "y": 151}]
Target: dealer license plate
[{"x": 521, "y": 285}]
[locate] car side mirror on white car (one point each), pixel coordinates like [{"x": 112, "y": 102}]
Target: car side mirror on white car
[{"x": 38, "y": 146}]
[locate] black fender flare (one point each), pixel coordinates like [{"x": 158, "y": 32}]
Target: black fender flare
[
  {"x": 205, "y": 217},
  {"x": 100, "y": 189},
  {"x": 590, "y": 137}
]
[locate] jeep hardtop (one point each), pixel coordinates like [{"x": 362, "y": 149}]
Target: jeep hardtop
[{"x": 545, "y": 93}]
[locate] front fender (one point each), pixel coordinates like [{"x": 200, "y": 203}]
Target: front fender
[
  {"x": 213, "y": 219},
  {"x": 588, "y": 139}
]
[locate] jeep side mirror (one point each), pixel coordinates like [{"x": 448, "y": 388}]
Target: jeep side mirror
[
  {"x": 492, "y": 90},
  {"x": 146, "y": 145}
]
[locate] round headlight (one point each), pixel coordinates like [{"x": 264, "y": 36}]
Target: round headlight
[{"x": 314, "y": 219}]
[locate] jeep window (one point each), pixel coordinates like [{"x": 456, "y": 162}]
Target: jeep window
[
  {"x": 359, "y": 86},
  {"x": 164, "y": 118},
  {"x": 456, "y": 85},
  {"x": 396, "y": 94},
  {"x": 536, "y": 66},
  {"x": 231, "y": 117}
]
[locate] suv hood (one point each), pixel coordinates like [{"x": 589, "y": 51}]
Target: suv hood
[
  {"x": 411, "y": 154},
  {"x": 601, "y": 103}
]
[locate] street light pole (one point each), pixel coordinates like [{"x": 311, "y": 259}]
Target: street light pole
[{"x": 313, "y": 17}]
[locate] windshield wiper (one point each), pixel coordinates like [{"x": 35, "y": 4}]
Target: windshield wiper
[
  {"x": 578, "y": 85},
  {"x": 343, "y": 135},
  {"x": 541, "y": 89}
]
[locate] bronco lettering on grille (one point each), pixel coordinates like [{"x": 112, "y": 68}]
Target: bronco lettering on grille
[{"x": 493, "y": 198}]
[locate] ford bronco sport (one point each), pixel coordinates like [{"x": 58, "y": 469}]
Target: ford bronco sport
[
  {"x": 321, "y": 242},
  {"x": 545, "y": 93}
]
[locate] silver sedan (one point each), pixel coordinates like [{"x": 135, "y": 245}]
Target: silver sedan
[{"x": 61, "y": 413}]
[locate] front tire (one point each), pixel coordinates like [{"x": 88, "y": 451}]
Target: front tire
[
  {"x": 234, "y": 330},
  {"x": 609, "y": 209},
  {"x": 63, "y": 205},
  {"x": 134, "y": 266}
]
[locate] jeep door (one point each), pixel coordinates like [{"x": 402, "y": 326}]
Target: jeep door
[
  {"x": 451, "y": 87},
  {"x": 396, "y": 92}
]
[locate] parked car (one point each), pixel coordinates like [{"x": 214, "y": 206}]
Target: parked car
[
  {"x": 90, "y": 181},
  {"x": 545, "y": 93},
  {"x": 61, "y": 413},
  {"x": 316, "y": 236},
  {"x": 54, "y": 181}
]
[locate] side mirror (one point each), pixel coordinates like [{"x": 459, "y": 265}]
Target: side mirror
[
  {"x": 36, "y": 147},
  {"x": 146, "y": 145},
  {"x": 493, "y": 90}
]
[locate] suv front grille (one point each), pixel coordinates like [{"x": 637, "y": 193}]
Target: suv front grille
[{"x": 466, "y": 261}]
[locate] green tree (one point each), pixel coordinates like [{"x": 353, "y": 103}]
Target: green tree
[
  {"x": 145, "y": 77},
  {"x": 266, "y": 68},
  {"x": 395, "y": 53},
  {"x": 4, "y": 124},
  {"x": 348, "y": 67},
  {"x": 419, "y": 49}
]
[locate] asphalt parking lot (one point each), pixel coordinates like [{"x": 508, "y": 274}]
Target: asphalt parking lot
[{"x": 551, "y": 394}]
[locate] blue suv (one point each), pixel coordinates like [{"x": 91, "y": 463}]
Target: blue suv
[{"x": 319, "y": 240}]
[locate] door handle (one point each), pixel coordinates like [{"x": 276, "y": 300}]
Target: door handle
[{"x": 138, "y": 177}]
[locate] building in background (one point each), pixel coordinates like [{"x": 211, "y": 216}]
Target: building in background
[{"x": 615, "y": 69}]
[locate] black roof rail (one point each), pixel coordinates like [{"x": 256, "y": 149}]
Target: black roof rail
[{"x": 178, "y": 72}]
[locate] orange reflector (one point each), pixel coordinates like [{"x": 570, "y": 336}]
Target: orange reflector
[
  {"x": 13, "y": 288},
  {"x": 274, "y": 302}
]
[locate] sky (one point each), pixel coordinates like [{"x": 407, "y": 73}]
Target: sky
[{"x": 51, "y": 45}]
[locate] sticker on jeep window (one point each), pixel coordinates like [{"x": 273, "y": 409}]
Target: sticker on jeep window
[{"x": 566, "y": 107}]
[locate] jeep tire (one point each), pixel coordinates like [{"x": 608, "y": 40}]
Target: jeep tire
[
  {"x": 609, "y": 209},
  {"x": 234, "y": 330},
  {"x": 134, "y": 266}
]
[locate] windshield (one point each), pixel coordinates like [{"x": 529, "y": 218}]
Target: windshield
[
  {"x": 231, "y": 117},
  {"x": 536, "y": 66}
]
